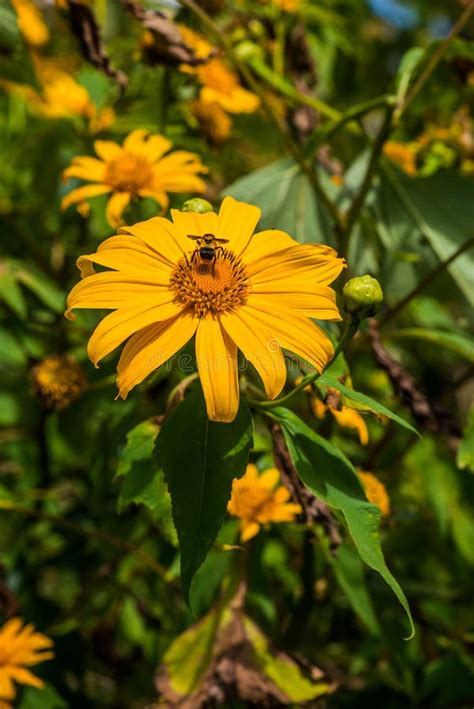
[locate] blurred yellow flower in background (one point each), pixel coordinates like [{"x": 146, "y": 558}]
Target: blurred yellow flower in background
[
  {"x": 213, "y": 120},
  {"x": 375, "y": 492},
  {"x": 402, "y": 154},
  {"x": 30, "y": 23},
  {"x": 139, "y": 168},
  {"x": 257, "y": 499},
  {"x": 221, "y": 85},
  {"x": 345, "y": 416},
  {"x": 20, "y": 647},
  {"x": 58, "y": 381},
  {"x": 257, "y": 294},
  {"x": 61, "y": 96}
]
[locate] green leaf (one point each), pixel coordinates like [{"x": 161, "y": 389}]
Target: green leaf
[
  {"x": 41, "y": 285},
  {"x": 143, "y": 483},
  {"x": 460, "y": 344},
  {"x": 421, "y": 206},
  {"x": 9, "y": 32},
  {"x": 330, "y": 476},
  {"x": 350, "y": 576},
  {"x": 366, "y": 401},
  {"x": 408, "y": 65},
  {"x": 200, "y": 458},
  {"x": 281, "y": 669},
  {"x": 11, "y": 293},
  {"x": 465, "y": 457},
  {"x": 286, "y": 199}
]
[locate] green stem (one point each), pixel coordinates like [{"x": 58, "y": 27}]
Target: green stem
[
  {"x": 269, "y": 110},
  {"x": 351, "y": 329},
  {"x": 435, "y": 59},
  {"x": 359, "y": 199},
  {"x": 328, "y": 130},
  {"x": 426, "y": 281}
]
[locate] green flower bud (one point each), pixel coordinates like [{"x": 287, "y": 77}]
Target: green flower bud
[
  {"x": 362, "y": 297},
  {"x": 247, "y": 50},
  {"x": 197, "y": 205}
]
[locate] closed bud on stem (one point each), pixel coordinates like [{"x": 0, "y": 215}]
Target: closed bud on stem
[
  {"x": 362, "y": 297},
  {"x": 197, "y": 205}
]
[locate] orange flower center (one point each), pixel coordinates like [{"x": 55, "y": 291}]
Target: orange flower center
[
  {"x": 129, "y": 173},
  {"x": 215, "y": 287}
]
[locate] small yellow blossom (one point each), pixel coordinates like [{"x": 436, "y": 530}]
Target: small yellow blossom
[
  {"x": 31, "y": 23},
  {"x": 221, "y": 85},
  {"x": 403, "y": 155},
  {"x": 61, "y": 96},
  {"x": 258, "y": 499},
  {"x": 345, "y": 416},
  {"x": 213, "y": 120},
  {"x": 20, "y": 647},
  {"x": 201, "y": 47},
  {"x": 58, "y": 381},
  {"x": 375, "y": 491},
  {"x": 139, "y": 168},
  {"x": 288, "y": 5}
]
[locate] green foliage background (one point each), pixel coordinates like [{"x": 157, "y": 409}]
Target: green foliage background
[{"x": 89, "y": 551}]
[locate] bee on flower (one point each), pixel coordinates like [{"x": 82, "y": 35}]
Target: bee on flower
[
  {"x": 259, "y": 499},
  {"x": 20, "y": 647},
  {"x": 138, "y": 168},
  {"x": 208, "y": 276}
]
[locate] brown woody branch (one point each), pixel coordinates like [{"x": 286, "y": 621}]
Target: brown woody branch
[{"x": 315, "y": 511}]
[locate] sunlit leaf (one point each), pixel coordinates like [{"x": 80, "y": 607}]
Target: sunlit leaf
[
  {"x": 200, "y": 458},
  {"x": 330, "y": 476}
]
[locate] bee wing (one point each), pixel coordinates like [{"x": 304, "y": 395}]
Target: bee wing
[
  {"x": 221, "y": 241},
  {"x": 194, "y": 237}
]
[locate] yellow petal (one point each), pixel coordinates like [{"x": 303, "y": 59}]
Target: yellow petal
[
  {"x": 161, "y": 236},
  {"x": 156, "y": 146},
  {"x": 121, "y": 324},
  {"x": 107, "y": 150},
  {"x": 83, "y": 193},
  {"x": 293, "y": 333},
  {"x": 86, "y": 168},
  {"x": 216, "y": 356},
  {"x": 135, "y": 141},
  {"x": 248, "y": 530},
  {"x": 113, "y": 290},
  {"x": 350, "y": 418},
  {"x": 251, "y": 472},
  {"x": 149, "y": 348},
  {"x": 267, "y": 243},
  {"x": 130, "y": 261},
  {"x": 238, "y": 101},
  {"x": 24, "y": 676},
  {"x": 192, "y": 223},
  {"x": 315, "y": 262},
  {"x": 116, "y": 205},
  {"x": 302, "y": 297},
  {"x": 237, "y": 222},
  {"x": 269, "y": 478},
  {"x": 259, "y": 347},
  {"x": 7, "y": 688}
]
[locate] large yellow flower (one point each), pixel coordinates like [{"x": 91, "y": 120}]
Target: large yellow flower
[
  {"x": 20, "y": 647},
  {"x": 257, "y": 500},
  {"x": 257, "y": 296},
  {"x": 136, "y": 169}
]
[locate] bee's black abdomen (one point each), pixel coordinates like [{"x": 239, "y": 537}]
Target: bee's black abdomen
[{"x": 207, "y": 253}]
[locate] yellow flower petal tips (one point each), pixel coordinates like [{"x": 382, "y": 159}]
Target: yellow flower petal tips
[
  {"x": 139, "y": 168},
  {"x": 20, "y": 647},
  {"x": 258, "y": 499},
  {"x": 210, "y": 276}
]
